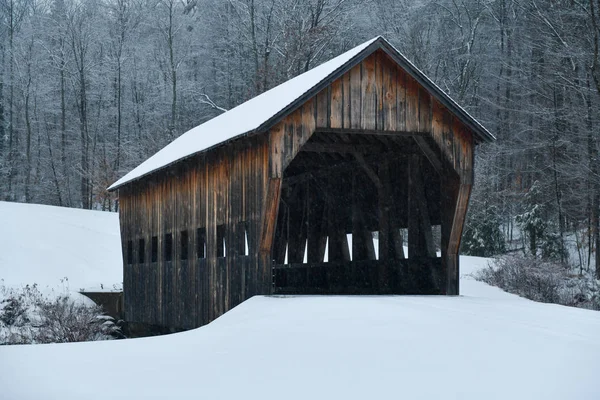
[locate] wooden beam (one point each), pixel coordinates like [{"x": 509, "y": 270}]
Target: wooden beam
[
  {"x": 325, "y": 131},
  {"x": 384, "y": 216},
  {"x": 455, "y": 200},
  {"x": 317, "y": 147},
  {"x": 362, "y": 240},
  {"x": 368, "y": 170},
  {"x": 281, "y": 239},
  {"x": 338, "y": 242},
  {"x": 317, "y": 218},
  {"x": 424, "y": 219},
  {"x": 270, "y": 215},
  {"x": 298, "y": 209},
  {"x": 430, "y": 153},
  {"x": 420, "y": 236},
  {"x": 398, "y": 243}
]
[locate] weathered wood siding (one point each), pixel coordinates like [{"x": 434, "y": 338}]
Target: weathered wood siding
[
  {"x": 223, "y": 187},
  {"x": 238, "y": 187},
  {"x": 375, "y": 95}
]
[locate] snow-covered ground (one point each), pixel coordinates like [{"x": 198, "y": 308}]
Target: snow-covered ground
[
  {"x": 484, "y": 344},
  {"x": 43, "y": 245}
]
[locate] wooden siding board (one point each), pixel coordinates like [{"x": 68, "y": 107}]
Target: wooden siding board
[
  {"x": 412, "y": 105},
  {"x": 355, "y": 97},
  {"x": 389, "y": 95},
  {"x": 337, "y": 104},
  {"x": 368, "y": 112}
]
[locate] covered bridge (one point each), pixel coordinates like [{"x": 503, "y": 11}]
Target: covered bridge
[{"x": 285, "y": 194}]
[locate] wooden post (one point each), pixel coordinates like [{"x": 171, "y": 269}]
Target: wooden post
[
  {"x": 415, "y": 245},
  {"x": 273, "y": 195},
  {"x": 362, "y": 240},
  {"x": 338, "y": 242},
  {"x": 385, "y": 242},
  {"x": 420, "y": 235},
  {"x": 455, "y": 199},
  {"x": 297, "y": 225},
  {"x": 317, "y": 236}
]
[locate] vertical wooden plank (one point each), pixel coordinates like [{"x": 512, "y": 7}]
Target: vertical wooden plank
[
  {"x": 455, "y": 198},
  {"x": 346, "y": 104},
  {"x": 270, "y": 214},
  {"x": 400, "y": 100},
  {"x": 337, "y": 102},
  {"x": 355, "y": 97},
  {"x": 362, "y": 240},
  {"x": 322, "y": 109},
  {"x": 369, "y": 93},
  {"x": 412, "y": 105},
  {"x": 424, "y": 111},
  {"x": 416, "y": 245},
  {"x": 316, "y": 235},
  {"x": 390, "y": 87},
  {"x": 307, "y": 123},
  {"x": 437, "y": 122},
  {"x": 385, "y": 236},
  {"x": 379, "y": 90}
]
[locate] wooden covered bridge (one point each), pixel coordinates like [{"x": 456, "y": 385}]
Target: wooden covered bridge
[{"x": 310, "y": 188}]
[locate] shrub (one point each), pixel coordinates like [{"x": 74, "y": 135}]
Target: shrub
[
  {"x": 26, "y": 317},
  {"x": 543, "y": 281}
]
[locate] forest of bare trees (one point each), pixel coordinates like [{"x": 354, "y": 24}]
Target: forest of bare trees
[{"x": 90, "y": 88}]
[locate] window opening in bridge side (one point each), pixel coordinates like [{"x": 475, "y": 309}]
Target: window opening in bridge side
[
  {"x": 437, "y": 239},
  {"x": 169, "y": 247},
  {"x": 141, "y": 251},
  {"x": 154, "y": 255},
  {"x": 130, "y": 252},
  {"x": 183, "y": 239},
  {"x": 242, "y": 238},
  {"x": 375, "y": 237},
  {"x": 221, "y": 245},
  {"x": 201, "y": 242}
]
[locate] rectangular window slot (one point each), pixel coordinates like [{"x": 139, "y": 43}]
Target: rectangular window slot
[
  {"x": 221, "y": 248},
  {"x": 169, "y": 247},
  {"x": 201, "y": 242},
  {"x": 141, "y": 251},
  {"x": 154, "y": 249},
  {"x": 437, "y": 239},
  {"x": 375, "y": 236},
  {"x": 130, "y": 252},
  {"x": 183, "y": 238},
  {"x": 242, "y": 238}
]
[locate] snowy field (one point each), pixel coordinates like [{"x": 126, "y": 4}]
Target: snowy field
[
  {"x": 44, "y": 245},
  {"x": 485, "y": 344}
]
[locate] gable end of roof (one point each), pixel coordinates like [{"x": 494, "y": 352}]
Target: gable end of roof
[{"x": 379, "y": 43}]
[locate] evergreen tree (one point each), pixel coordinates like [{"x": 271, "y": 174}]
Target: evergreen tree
[{"x": 482, "y": 236}]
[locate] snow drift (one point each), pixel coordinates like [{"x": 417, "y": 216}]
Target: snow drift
[
  {"x": 485, "y": 344},
  {"x": 45, "y": 244}
]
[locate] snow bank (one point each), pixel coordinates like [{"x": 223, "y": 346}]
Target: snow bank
[
  {"x": 45, "y": 244},
  {"x": 485, "y": 344}
]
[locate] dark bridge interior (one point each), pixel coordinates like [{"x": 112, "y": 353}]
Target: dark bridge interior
[{"x": 343, "y": 190}]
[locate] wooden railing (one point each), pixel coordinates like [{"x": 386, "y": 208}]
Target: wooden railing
[{"x": 408, "y": 276}]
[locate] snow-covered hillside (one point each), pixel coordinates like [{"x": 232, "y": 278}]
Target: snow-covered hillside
[
  {"x": 44, "y": 244},
  {"x": 485, "y": 344}
]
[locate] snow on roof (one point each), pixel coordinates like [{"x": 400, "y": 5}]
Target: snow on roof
[
  {"x": 242, "y": 119},
  {"x": 260, "y": 110}
]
